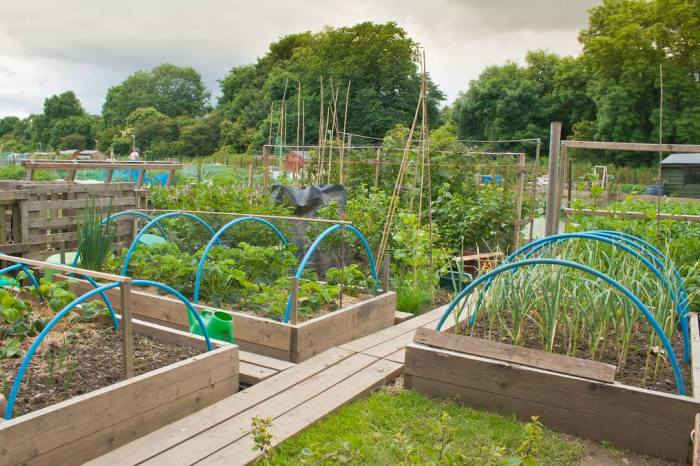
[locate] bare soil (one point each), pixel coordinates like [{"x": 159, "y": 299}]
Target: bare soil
[
  {"x": 80, "y": 359},
  {"x": 631, "y": 373}
]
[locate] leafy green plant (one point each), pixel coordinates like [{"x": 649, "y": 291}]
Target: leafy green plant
[
  {"x": 95, "y": 239},
  {"x": 260, "y": 430}
]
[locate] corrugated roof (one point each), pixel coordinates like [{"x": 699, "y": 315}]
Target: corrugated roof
[{"x": 682, "y": 159}]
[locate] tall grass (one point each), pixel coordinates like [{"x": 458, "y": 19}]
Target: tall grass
[{"x": 95, "y": 239}]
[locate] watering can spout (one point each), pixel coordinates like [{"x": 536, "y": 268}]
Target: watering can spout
[{"x": 219, "y": 325}]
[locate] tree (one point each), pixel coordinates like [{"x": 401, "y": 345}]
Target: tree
[
  {"x": 172, "y": 90},
  {"x": 75, "y": 125},
  {"x": 72, "y": 141},
  {"x": 200, "y": 138},
  {"x": 378, "y": 59},
  {"x": 65, "y": 105},
  {"x": 149, "y": 126}
]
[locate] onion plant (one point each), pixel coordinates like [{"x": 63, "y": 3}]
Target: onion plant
[{"x": 95, "y": 238}]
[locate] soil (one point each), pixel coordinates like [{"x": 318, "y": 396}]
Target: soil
[
  {"x": 80, "y": 359},
  {"x": 632, "y": 373}
]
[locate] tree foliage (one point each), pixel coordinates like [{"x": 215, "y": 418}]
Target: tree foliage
[{"x": 610, "y": 93}]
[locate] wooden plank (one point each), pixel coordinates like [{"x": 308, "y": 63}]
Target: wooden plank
[
  {"x": 643, "y": 439},
  {"x": 695, "y": 354},
  {"x": 98, "y": 165},
  {"x": 632, "y": 405},
  {"x": 251, "y": 374},
  {"x": 583, "y": 368},
  {"x": 402, "y": 317},
  {"x": 189, "y": 427},
  {"x": 631, "y": 146},
  {"x": 104, "y": 440},
  {"x": 79, "y": 203},
  {"x": 213, "y": 439},
  {"x": 65, "y": 268},
  {"x": 355, "y": 321},
  {"x": 81, "y": 416},
  {"x": 313, "y": 410},
  {"x": 13, "y": 194}
]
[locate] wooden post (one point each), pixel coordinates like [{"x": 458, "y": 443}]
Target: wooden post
[
  {"x": 127, "y": 331},
  {"x": 295, "y": 300},
  {"x": 378, "y": 167},
  {"x": 552, "y": 175},
  {"x": 70, "y": 176},
  {"x": 108, "y": 177},
  {"x": 171, "y": 176},
  {"x": 250, "y": 174},
  {"x": 570, "y": 177},
  {"x": 534, "y": 188},
  {"x": 519, "y": 200},
  {"x": 386, "y": 271},
  {"x": 139, "y": 180},
  {"x": 561, "y": 178}
]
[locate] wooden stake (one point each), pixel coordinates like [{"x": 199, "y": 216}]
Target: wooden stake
[
  {"x": 127, "y": 331},
  {"x": 386, "y": 271},
  {"x": 342, "y": 141},
  {"x": 298, "y": 112},
  {"x": 533, "y": 198},
  {"x": 295, "y": 300},
  {"x": 519, "y": 200},
  {"x": 552, "y": 177}
]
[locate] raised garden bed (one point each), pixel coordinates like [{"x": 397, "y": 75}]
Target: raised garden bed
[
  {"x": 289, "y": 342},
  {"x": 176, "y": 378},
  {"x": 572, "y": 395}
]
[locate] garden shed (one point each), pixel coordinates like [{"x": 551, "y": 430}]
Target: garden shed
[{"x": 681, "y": 174}]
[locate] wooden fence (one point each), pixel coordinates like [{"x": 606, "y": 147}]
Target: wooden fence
[{"x": 39, "y": 217}]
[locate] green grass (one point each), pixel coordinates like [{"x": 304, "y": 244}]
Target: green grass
[{"x": 407, "y": 428}]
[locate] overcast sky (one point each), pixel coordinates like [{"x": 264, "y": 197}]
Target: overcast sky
[{"x": 49, "y": 46}]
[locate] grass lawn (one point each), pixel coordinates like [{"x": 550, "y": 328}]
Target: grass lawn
[{"x": 403, "y": 427}]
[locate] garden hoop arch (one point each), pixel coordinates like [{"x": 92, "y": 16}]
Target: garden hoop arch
[
  {"x": 79, "y": 300},
  {"x": 316, "y": 244},
  {"x": 681, "y": 310},
  {"x": 529, "y": 262},
  {"x": 31, "y": 276},
  {"x": 215, "y": 239},
  {"x": 156, "y": 221}
]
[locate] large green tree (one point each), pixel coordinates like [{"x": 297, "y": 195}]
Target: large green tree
[
  {"x": 172, "y": 90},
  {"x": 379, "y": 60}
]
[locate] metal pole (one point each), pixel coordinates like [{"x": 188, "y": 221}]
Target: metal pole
[
  {"x": 552, "y": 176},
  {"x": 127, "y": 331}
]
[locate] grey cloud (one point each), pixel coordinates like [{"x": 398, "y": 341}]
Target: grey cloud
[{"x": 108, "y": 40}]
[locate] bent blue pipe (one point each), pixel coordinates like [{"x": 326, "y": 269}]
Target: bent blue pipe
[
  {"x": 645, "y": 244},
  {"x": 215, "y": 239},
  {"x": 155, "y": 221},
  {"x": 529, "y": 262},
  {"x": 315, "y": 245},
  {"x": 539, "y": 244},
  {"x": 26, "y": 360},
  {"x": 24, "y": 269}
]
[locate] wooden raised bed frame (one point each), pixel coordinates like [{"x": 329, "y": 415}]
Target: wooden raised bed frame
[
  {"x": 289, "y": 342},
  {"x": 87, "y": 426},
  {"x": 570, "y": 395}
]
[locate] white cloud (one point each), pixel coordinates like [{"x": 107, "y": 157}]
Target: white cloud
[{"x": 89, "y": 45}]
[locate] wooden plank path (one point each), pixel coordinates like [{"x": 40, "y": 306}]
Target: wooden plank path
[{"x": 294, "y": 398}]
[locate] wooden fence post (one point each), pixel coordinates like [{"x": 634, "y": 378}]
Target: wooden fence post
[
  {"x": 552, "y": 177},
  {"x": 127, "y": 331},
  {"x": 378, "y": 167}
]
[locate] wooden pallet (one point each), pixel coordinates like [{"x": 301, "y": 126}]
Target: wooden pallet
[{"x": 295, "y": 398}]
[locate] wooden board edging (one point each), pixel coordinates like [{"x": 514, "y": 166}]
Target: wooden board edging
[
  {"x": 86, "y": 426},
  {"x": 628, "y": 417},
  {"x": 553, "y": 362}
]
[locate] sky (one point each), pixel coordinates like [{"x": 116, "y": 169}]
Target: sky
[{"x": 49, "y": 46}]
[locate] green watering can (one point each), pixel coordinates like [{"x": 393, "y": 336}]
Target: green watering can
[{"x": 219, "y": 325}]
